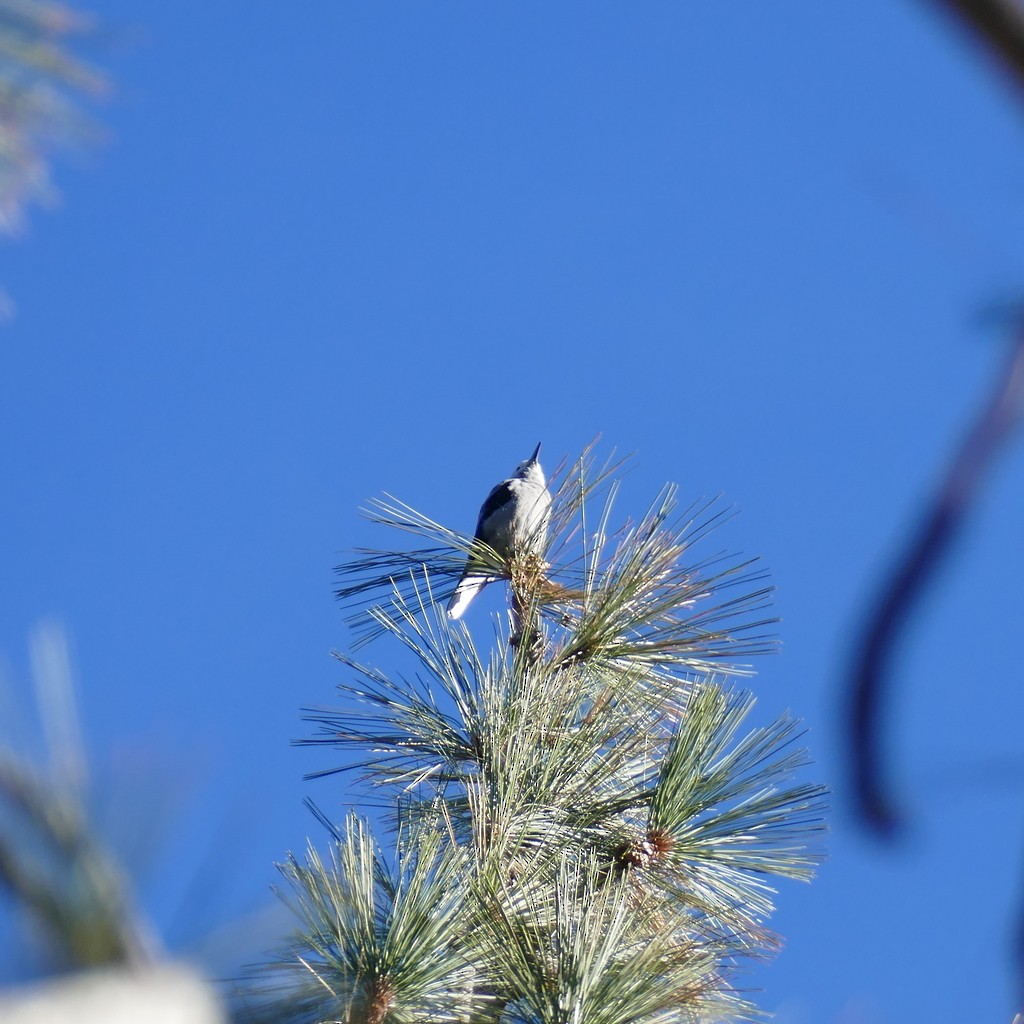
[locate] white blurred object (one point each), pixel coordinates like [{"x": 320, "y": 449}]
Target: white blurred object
[{"x": 155, "y": 995}]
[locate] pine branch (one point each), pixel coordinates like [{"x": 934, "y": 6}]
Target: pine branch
[
  {"x": 613, "y": 830},
  {"x": 377, "y": 945},
  {"x": 578, "y": 951}
]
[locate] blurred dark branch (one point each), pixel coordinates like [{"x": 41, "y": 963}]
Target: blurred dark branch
[
  {"x": 999, "y": 24},
  {"x": 902, "y": 591}
]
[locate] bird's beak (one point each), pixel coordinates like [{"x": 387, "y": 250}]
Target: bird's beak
[{"x": 536, "y": 452}]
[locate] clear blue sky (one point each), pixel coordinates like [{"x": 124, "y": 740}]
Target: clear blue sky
[{"x": 337, "y": 249}]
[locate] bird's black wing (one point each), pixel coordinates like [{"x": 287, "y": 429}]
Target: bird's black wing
[{"x": 500, "y": 495}]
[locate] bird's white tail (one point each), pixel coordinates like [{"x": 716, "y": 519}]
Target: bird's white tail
[{"x": 468, "y": 588}]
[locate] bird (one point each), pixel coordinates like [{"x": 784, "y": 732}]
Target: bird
[{"x": 513, "y": 522}]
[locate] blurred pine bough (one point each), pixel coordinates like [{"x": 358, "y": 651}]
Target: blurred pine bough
[
  {"x": 41, "y": 87},
  {"x": 73, "y": 919}
]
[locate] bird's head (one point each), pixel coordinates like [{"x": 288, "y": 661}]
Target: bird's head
[{"x": 530, "y": 469}]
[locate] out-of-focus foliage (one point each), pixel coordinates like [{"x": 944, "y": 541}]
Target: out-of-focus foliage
[
  {"x": 71, "y": 896},
  {"x": 72, "y": 919},
  {"x": 66, "y": 882},
  {"x": 42, "y": 84}
]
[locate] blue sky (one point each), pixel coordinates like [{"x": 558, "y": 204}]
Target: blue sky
[{"x": 367, "y": 247}]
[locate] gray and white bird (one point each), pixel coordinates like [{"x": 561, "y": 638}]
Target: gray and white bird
[{"x": 513, "y": 521}]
